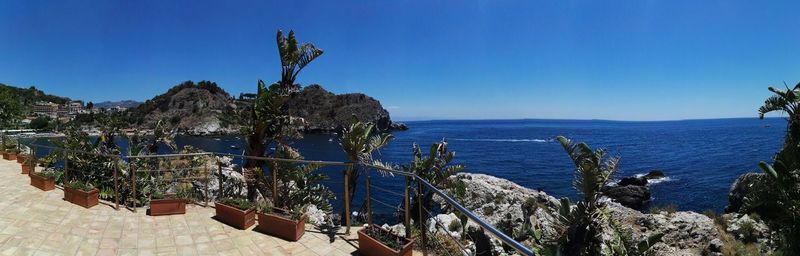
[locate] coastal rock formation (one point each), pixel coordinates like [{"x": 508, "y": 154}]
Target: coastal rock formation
[
  {"x": 206, "y": 109},
  {"x": 498, "y": 200},
  {"x": 633, "y": 196},
  {"x": 233, "y": 182},
  {"x": 743, "y": 186},
  {"x": 685, "y": 233},
  {"x": 326, "y": 112},
  {"x": 633, "y": 191}
]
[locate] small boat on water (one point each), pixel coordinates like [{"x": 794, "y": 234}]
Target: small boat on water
[{"x": 234, "y": 147}]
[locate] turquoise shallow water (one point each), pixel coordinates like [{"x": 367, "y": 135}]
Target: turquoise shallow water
[{"x": 701, "y": 157}]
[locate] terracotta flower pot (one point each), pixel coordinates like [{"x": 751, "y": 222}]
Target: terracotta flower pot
[
  {"x": 21, "y": 159},
  {"x": 280, "y": 226},
  {"x": 26, "y": 169},
  {"x": 87, "y": 199},
  {"x": 370, "y": 246},
  {"x": 12, "y": 156},
  {"x": 6, "y": 156},
  {"x": 233, "y": 216},
  {"x": 42, "y": 182},
  {"x": 168, "y": 206}
]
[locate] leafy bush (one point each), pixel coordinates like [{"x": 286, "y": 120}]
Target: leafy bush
[
  {"x": 79, "y": 185},
  {"x": 239, "y": 203}
]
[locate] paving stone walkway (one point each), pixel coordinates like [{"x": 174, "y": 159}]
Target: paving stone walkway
[{"x": 33, "y": 222}]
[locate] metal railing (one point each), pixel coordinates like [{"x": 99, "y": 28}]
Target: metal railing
[{"x": 348, "y": 169}]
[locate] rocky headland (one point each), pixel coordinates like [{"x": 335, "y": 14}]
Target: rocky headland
[{"x": 204, "y": 108}]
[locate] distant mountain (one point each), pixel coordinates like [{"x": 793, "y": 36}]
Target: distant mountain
[{"x": 111, "y": 104}]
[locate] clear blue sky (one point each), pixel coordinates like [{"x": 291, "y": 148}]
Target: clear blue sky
[{"x": 623, "y": 60}]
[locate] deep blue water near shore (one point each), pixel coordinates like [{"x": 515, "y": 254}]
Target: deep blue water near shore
[{"x": 701, "y": 157}]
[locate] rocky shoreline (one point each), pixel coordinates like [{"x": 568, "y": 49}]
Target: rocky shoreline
[{"x": 507, "y": 206}]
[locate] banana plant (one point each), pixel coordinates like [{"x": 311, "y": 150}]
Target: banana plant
[
  {"x": 435, "y": 168},
  {"x": 360, "y": 141},
  {"x": 266, "y": 121}
]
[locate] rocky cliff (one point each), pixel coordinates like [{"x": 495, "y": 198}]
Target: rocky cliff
[
  {"x": 328, "y": 112},
  {"x": 204, "y": 108}
]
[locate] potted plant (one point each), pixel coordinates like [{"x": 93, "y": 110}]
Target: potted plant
[
  {"x": 376, "y": 241},
  {"x": 80, "y": 193},
  {"x": 298, "y": 187},
  {"x": 237, "y": 212},
  {"x": 45, "y": 180},
  {"x": 282, "y": 223},
  {"x": 27, "y": 165},
  {"x": 10, "y": 153},
  {"x": 21, "y": 158},
  {"x": 168, "y": 204}
]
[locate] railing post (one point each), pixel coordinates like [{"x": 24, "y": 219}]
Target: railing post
[
  {"x": 207, "y": 178},
  {"x": 346, "y": 202},
  {"x": 66, "y": 167},
  {"x": 116, "y": 184},
  {"x": 369, "y": 200},
  {"x": 423, "y": 231},
  {"x": 407, "y": 208},
  {"x": 274, "y": 184},
  {"x": 133, "y": 182},
  {"x": 219, "y": 172},
  {"x": 33, "y": 160}
]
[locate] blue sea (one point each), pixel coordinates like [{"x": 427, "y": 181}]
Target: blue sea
[{"x": 701, "y": 158}]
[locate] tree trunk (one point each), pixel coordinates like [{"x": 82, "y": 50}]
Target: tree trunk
[{"x": 255, "y": 147}]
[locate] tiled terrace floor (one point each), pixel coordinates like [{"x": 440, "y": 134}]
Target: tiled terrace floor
[{"x": 33, "y": 222}]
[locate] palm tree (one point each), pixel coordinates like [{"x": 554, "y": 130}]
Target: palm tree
[
  {"x": 359, "y": 141},
  {"x": 267, "y": 121}
]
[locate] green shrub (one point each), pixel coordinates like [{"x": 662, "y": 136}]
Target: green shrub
[
  {"x": 239, "y": 203},
  {"x": 454, "y": 226},
  {"x": 79, "y": 185},
  {"x": 488, "y": 210}
]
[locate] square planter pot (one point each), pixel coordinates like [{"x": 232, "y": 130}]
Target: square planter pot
[
  {"x": 12, "y": 156},
  {"x": 42, "y": 182},
  {"x": 21, "y": 159},
  {"x": 233, "y": 216},
  {"x": 26, "y": 169},
  {"x": 370, "y": 246},
  {"x": 6, "y": 156},
  {"x": 87, "y": 199},
  {"x": 278, "y": 225},
  {"x": 168, "y": 206}
]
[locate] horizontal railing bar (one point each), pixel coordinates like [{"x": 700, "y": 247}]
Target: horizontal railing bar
[
  {"x": 384, "y": 203},
  {"x": 171, "y": 155},
  {"x": 74, "y": 151},
  {"x": 502, "y": 236},
  {"x": 381, "y": 168},
  {"x": 329, "y": 163},
  {"x": 386, "y": 190},
  {"x": 171, "y": 170}
]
